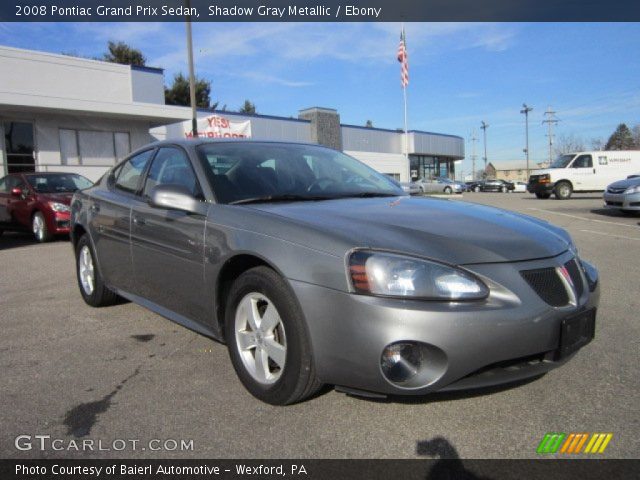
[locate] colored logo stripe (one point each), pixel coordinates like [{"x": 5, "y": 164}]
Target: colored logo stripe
[
  {"x": 573, "y": 443},
  {"x": 551, "y": 442}
]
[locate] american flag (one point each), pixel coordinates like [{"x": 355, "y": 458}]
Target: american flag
[{"x": 403, "y": 58}]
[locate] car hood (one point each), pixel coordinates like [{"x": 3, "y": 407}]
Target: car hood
[
  {"x": 64, "y": 198},
  {"x": 450, "y": 231},
  {"x": 626, "y": 183}
]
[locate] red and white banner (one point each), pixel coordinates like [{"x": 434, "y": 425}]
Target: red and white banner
[{"x": 217, "y": 126}]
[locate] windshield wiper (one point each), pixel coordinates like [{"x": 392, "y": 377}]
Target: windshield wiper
[
  {"x": 280, "y": 198},
  {"x": 369, "y": 195}
]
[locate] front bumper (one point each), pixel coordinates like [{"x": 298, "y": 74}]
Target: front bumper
[
  {"x": 59, "y": 223},
  {"x": 542, "y": 188},
  {"x": 511, "y": 336},
  {"x": 622, "y": 201}
]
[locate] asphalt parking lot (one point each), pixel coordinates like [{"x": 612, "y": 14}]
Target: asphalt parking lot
[{"x": 122, "y": 372}]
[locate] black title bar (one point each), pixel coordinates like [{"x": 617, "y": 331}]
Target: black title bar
[{"x": 320, "y": 11}]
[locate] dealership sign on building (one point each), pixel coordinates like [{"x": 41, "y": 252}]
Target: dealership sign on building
[{"x": 217, "y": 126}]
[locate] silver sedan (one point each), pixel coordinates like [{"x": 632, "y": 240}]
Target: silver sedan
[
  {"x": 315, "y": 269},
  {"x": 624, "y": 195}
]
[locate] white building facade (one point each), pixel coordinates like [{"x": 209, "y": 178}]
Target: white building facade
[{"x": 62, "y": 113}]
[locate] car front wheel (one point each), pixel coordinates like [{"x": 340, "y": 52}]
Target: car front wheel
[
  {"x": 476, "y": 189},
  {"x": 267, "y": 339},
  {"x": 448, "y": 190},
  {"x": 563, "y": 190},
  {"x": 543, "y": 195},
  {"x": 39, "y": 228},
  {"x": 92, "y": 288}
]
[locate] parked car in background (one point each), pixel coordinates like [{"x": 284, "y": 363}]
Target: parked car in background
[
  {"x": 474, "y": 185},
  {"x": 497, "y": 186},
  {"x": 38, "y": 202},
  {"x": 520, "y": 187},
  {"x": 624, "y": 195},
  {"x": 439, "y": 185},
  {"x": 410, "y": 188},
  {"x": 583, "y": 172},
  {"x": 311, "y": 280}
]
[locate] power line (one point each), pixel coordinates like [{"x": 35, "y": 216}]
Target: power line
[{"x": 551, "y": 120}]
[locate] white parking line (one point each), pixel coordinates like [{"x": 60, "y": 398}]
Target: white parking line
[
  {"x": 609, "y": 235},
  {"x": 583, "y": 218}
]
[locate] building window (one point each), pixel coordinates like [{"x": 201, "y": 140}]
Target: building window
[
  {"x": 19, "y": 143},
  {"x": 91, "y": 147},
  {"x": 395, "y": 176}
]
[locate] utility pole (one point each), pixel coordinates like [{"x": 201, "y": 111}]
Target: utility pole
[
  {"x": 551, "y": 120},
  {"x": 484, "y": 126},
  {"x": 526, "y": 109},
  {"x": 473, "y": 140},
  {"x": 192, "y": 77}
]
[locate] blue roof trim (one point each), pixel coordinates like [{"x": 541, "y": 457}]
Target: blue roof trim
[
  {"x": 253, "y": 115},
  {"x": 400, "y": 131},
  {"x": 147, "y": 69}
]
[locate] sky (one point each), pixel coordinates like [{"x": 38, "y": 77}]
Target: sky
[{"x": 460, "y": 73}]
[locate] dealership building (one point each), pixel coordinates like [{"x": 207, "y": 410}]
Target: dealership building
[{"x": 62, "y": 113}]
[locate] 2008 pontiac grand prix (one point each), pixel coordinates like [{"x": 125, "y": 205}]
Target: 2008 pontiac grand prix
[{"x": 315, "y": 269}]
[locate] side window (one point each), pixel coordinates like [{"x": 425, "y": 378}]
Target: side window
[
  {"x": 583, "y": 161},
  {"x": 3, "y": 185},
  {"x": 128, "y": 175},
  {"x": 171, "y": 166}
]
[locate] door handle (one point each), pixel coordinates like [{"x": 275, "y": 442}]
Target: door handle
[{"x": 139, "y": 221}]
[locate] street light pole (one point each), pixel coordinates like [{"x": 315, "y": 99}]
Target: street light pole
[
  {"x": 192, "y": 77},
  {"x": 526, "y": 109},
  {"x": 484, "y": 126}
]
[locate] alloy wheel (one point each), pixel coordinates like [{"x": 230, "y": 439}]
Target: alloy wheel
[
  {"x": 38, "y": 226},
  {"x": 260, "y": 338},
  {"x": 85, "y": 267}
]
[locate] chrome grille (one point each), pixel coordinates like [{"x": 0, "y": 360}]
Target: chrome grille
[{"x": 616, "y": 190}]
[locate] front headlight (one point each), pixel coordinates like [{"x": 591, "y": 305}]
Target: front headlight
[
  {"x": 393, "y": 275},
  {"x": 59, "y": 207},
  {"x": 630, "y": 190}
]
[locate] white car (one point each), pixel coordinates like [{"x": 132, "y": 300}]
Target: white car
[{"x": 520, "y": 187}]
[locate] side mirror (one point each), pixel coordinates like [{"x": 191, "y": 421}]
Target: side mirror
[
  {"x": 174, "y": 197},
  {"x": 16, "y": 192}
]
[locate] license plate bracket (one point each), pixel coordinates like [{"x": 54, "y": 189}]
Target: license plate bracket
[{"x": 576, "y": 332}]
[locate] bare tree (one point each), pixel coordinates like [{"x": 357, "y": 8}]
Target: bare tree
[
  {"x": 635, "y": 131},
  {"x": 568, "y": 144},
  {"x": 597, "y": 144}
]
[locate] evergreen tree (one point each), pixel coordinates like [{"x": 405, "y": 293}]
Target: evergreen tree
[
  {"x": 122, "y": 53},
  {"x": 248, "y": 107},
  {"x": 178, "y": 93},
  {"x": 621, "y": 139}
]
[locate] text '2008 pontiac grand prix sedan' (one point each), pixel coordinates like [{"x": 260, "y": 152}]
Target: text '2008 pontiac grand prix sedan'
[{"x": 315, "y": 269}]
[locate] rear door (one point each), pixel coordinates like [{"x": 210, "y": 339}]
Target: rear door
[
  {"x": 168, "y": 245},
  {"x": 6, "y": 184},
  {"x": 110, "y": 220}
]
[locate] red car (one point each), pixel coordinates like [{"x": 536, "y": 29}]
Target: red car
[{"x": 38, "y": 202}]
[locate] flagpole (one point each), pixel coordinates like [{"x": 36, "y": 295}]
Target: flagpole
[{"x": 404, "y": 96}]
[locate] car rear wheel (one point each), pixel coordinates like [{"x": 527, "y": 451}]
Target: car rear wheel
[
  {"x": 503, "y": 189},
  {"x": 92, "y": 288},
  {"x": 267, "y": 339},
  {"x": 543, "y": 195},
  {"x": 39, "y": 228},
  {"x": 563, "y": 190}
]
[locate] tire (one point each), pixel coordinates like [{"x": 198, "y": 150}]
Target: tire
[
  {"x": 39, "y": 228},
  {"x": 563, "y": 190},
  {"x": 543, "y": 195},
  {"x": 448, "y": 191},
  {"x": 503, "y": 189},
  {"x": 1, "y": 232},
  {"x": 476, "y": 189},
  {"x": 288, "y": 379},
  {"x": 87, "y": 273},
  {"x": 421, "y": 191}
]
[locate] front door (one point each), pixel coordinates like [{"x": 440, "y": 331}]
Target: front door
[
  {"x": 168, "y": 245},
  {"x": 583, "y": 173}
]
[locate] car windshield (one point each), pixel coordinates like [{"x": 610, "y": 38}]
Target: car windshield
[
  {"x": 562, "y": 161},
  {"x": 268, "y": 172},
  {"x": 58, "y": 182}
]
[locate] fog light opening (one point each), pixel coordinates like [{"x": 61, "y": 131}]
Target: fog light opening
[{"x": 402, "y": 361}]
